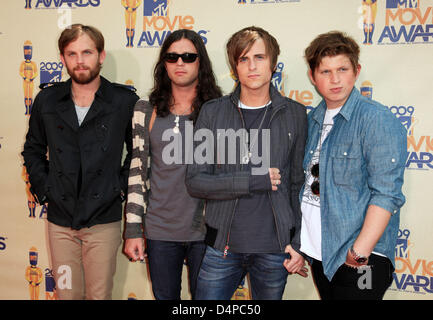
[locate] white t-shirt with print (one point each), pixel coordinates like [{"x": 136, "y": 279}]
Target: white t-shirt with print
[{"x": 311, "y": 231}]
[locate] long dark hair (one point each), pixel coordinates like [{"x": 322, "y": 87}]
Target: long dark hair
[{"x": 207, "y": 88}]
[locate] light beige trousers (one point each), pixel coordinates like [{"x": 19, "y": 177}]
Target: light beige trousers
[{"x": 84, "y": 261}]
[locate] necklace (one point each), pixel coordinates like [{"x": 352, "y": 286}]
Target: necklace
[
  {"x": 246, "y": 158},
  {"x": 176, "y": 120}
]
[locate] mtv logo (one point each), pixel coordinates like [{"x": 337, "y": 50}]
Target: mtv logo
[
  {"x": 50, "y": 284},
  {"x": 406, "y": 121},
  {"x": 402, "y": 246},
  {"x": 155, "y": 8},
  {"x": 395, "y": 4},
  {"x": 51, "y": 76},
  {"x": 277, "y": 78}
]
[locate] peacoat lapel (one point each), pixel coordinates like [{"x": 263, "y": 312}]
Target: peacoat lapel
[
  {"x": 102, "y": 103},
  {"x": 65, "y": 106}
]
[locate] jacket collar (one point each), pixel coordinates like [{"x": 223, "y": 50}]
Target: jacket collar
[
  {"x": 346, "y": 111},
  {"x": 66, "y": 108},
  {"x": 104, "y": 91}
]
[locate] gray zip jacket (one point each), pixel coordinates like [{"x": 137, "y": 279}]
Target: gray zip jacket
[{"x": 222, "y": 184}]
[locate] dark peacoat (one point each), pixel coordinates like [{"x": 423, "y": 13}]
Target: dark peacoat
[{"x": 82, "y": 177}]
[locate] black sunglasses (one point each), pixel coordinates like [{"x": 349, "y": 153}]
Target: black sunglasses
[
  {"x": 186, "y": 57},
  {"x": 315, "y": 186}
]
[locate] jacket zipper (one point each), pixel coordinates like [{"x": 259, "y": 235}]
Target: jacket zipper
[
  {"x": 269, "y": 194},
  {"x": 227, "y": 247},
  {"x": 275, "y": 221}
]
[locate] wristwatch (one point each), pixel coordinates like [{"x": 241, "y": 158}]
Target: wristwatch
[{"x": 360, "y": 259}]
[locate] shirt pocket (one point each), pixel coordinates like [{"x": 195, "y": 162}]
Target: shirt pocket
[{"x": 347, "y": 164}]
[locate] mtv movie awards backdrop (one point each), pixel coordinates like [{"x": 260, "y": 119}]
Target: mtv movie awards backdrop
[{"x": 396, "y": 40}]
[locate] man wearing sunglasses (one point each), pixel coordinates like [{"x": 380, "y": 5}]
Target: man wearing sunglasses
[
  {"x": 171, "y": 219},
  {"x": 354, "y": 163},
  {"x": 252, "y": 215}
]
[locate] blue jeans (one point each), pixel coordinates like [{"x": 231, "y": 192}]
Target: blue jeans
[
  {"x": 219, "y": 277},
  {"x": 166, "y": 263}
]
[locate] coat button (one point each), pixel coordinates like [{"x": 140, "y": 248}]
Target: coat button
[{"x": 345, "y": 153}]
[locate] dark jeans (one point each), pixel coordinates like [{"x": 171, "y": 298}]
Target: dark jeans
[
  {"x": 355, "y": 284},
  {"x": 219, "y": 277},
  {"x": 166, "y": 263}
]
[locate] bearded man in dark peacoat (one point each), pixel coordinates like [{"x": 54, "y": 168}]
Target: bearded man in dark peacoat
[{"x": 83, "y": 181}]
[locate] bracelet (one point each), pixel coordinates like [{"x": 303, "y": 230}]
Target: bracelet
[{"x": 360, "y": 259}]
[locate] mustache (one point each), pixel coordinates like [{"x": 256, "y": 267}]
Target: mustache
[{"x": 81, "y": 67}]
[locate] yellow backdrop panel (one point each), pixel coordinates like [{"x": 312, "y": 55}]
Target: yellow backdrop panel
[{"x": 396, "y": 38}]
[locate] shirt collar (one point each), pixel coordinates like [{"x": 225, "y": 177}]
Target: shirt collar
[
  {"x": 276, "y": 98},
  {"x": 346, "y": 111},
  {"x": 350, "y": 104}
]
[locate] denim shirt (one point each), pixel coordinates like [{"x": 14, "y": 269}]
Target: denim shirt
[{"x": 362, "y": 163}]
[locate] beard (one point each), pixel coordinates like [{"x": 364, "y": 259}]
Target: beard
[{"x": 84, "y": 77}]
